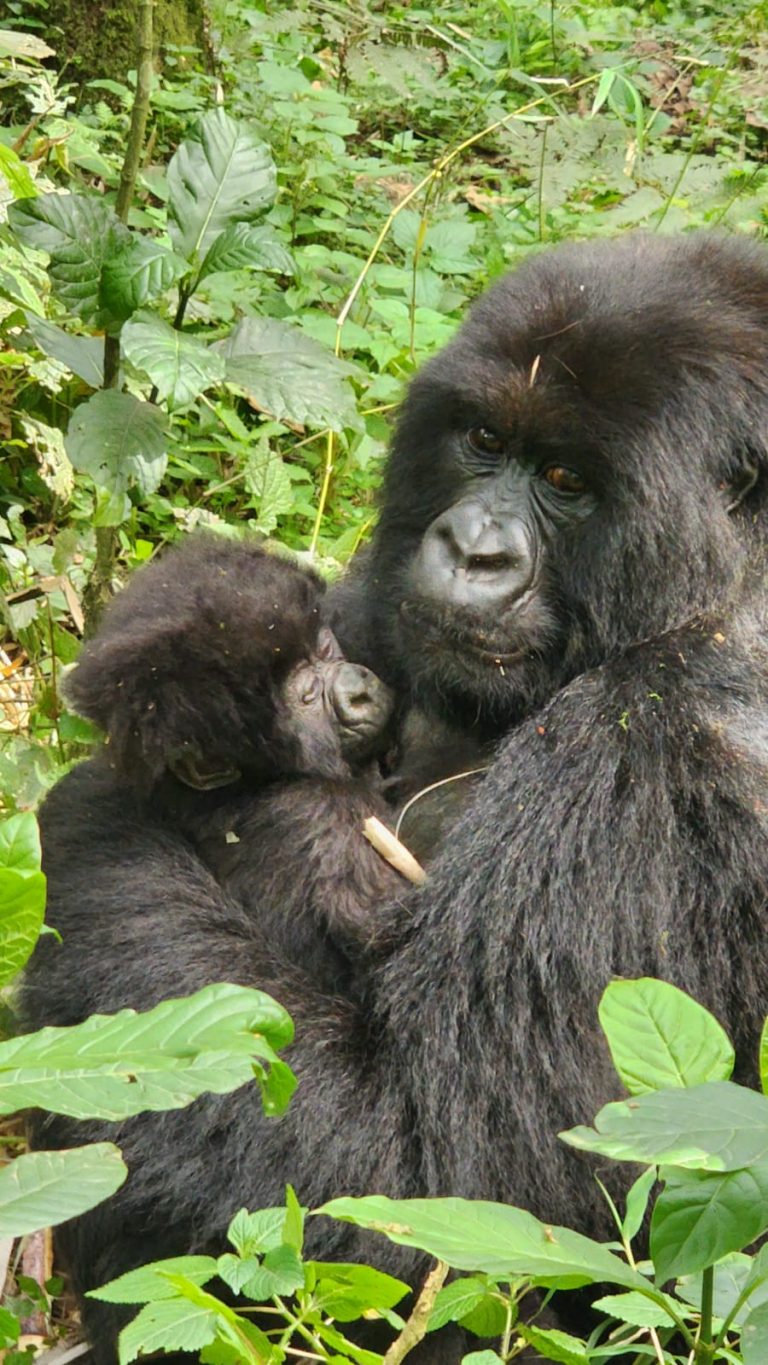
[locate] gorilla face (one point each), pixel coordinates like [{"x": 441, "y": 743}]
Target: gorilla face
[{"x": 567, "y": 474}]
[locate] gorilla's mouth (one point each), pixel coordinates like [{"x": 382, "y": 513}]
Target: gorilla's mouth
[{"x": 439, "y": 629}]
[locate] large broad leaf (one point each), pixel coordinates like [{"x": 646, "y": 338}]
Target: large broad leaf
[
  {"x": 119, "y": 441},
  {"x": 714, "y": 1127},
  {"x": 42, "y": 1189},
  {"x": 22, "y": 892},
  {"x": 227, "y": 176},
  {"x": 493, "y": 1238},
  {"x": 113, "y": 1066},
  {"x": 244, "y": 247},
  {"x": 289, "y": 375},
  {"x": 701, "y": 1216},
  {"x": 660, "y": 1038},
  {"x": 141, "y": 270},
  {"x": 84, "y": 356},
  {"x": 180, "y": 366},
  {"x": 79, "y": 232}
]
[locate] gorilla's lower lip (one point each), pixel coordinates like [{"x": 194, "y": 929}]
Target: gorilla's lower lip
[{"x": 457, "y": 637}]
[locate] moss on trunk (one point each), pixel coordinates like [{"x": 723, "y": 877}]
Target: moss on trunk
[{"x": 97, "y": 38}]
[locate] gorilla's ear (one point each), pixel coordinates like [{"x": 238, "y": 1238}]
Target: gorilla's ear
[
  {"x": 740, "y": 486},
  {"x": 156, "y": 696}
]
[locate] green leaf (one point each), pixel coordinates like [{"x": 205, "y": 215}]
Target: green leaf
[
  {"x": 268, "y": 481},
  {"x": 140, "y": 270},
  {"x": 763, "y": 1058},
  {"x": 346, "y": 1291},
  {"x": 120, "y": 441},
  {"x": 699, "y": 1217},
  {"x": 482, "y": 1358},
  {"x": 41, "y": 1189},
  {"x": 79, "y": 232},
  {"x": 456, "y": 1300},
  {"x": 754, "y": 1336},
  {"x": 113, "y": 1066},
  {"x": 715, "y": 1127},
  {"x": 494, "y": 1238},
  {"x": 22, "y": 907},
  {"x": 254, "y": 1233},
  {"x": 84, "y": 356},
  {"x": 20, "y": 844},
  {"x": 227, "y": 176},
  {"x": 637, "y": 1310},
  {"x": 554, "y": 1345},
  {"x": 10, "y": 1327},
  {"x": 15, "y": 173},
  {"x": 278, "y": 1084},
  {"x": 180, "y": 366},
  {"x": 637, "y": 1203},
  {"x": 288, "y": 374},
  {"x": 242, "y": 246},
  {"x": 151, "y": 1282},
  {"x": 662, "y": 1039},
  {"x": 54, "y": 465},
  {"x": 169, "y": 1325},
  {"x": 293, "y": 1227},
  {"x": 281, "y": 1272}
]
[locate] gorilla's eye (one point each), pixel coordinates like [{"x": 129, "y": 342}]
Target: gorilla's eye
[
  {"x": 564, "y": 480},
  {"x": 485, "y": 441}
]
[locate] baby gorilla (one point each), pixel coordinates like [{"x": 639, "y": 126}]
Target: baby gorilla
[{"x": 232, "y": 716}]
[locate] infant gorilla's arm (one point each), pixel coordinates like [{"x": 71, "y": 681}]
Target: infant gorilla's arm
[{"x": 233, "y": 718}]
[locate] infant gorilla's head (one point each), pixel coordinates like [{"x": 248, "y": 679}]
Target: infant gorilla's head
[{"x": 212, "y": 665}]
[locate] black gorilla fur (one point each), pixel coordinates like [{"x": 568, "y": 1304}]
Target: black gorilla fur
[
  {"x": 618, "y": 638},
  {"x": 233, "y": 719}
]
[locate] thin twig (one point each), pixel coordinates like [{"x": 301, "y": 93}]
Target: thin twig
[{"x": 416, "y": 1327}]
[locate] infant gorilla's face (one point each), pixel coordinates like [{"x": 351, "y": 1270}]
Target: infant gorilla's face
[{"x": 334, "y": 714}]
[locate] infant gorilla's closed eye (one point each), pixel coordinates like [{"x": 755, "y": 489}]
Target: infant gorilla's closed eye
[{"x": 233, "y": 717}]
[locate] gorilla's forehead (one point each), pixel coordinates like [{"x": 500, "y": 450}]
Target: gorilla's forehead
[{"x": 614, "y": 326}]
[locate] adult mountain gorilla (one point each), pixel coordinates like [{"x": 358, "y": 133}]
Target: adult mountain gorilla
[{"x": 570, "y": 555}]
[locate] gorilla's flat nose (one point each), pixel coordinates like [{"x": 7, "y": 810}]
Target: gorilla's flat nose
[{"x": 470, "y": 557}]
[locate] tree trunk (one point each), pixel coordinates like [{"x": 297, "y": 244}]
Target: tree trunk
[{"x": 97, "y": 38}]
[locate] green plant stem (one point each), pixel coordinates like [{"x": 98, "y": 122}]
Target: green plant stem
[
  {"x": 704, "y": 1347},
  {"x": 416, "y": 1327}
]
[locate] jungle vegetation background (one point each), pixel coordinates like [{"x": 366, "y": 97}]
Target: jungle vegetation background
[{"x": 182, "y": 364}]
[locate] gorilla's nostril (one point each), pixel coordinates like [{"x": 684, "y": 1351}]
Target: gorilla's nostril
[{"x": 359, "y": 699}]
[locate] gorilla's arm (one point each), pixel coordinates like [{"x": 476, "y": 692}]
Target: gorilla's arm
[{"x": 620, "y": 831}]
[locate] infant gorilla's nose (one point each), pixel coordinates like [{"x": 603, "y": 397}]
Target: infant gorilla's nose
[{"x": 363, "y": 705}]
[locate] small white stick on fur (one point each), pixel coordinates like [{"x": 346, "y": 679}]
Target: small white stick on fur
[{"x": 395, "y": 853}]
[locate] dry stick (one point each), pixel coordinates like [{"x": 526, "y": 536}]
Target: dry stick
[
  {"x": 99, "y": 587},
  {"x": 396, "y": 854},
  {"x": 416, "y": 1326},
  {"x": 430, "y": 179}
]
